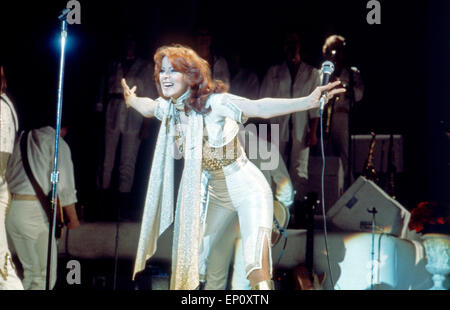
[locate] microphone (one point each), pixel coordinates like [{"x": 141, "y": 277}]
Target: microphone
[
  {"x": 327, "y": 70},
  {"x": 63, "y": 14}
]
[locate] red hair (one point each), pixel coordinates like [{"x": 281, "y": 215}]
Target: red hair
[
  {"x": 2, "y": 80},
  {"x": 197, "y": 75}
]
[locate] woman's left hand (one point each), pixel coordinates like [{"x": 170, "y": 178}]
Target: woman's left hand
[
  {"x": 128, "y": 94},
  {"x": 329, "y": 90}
]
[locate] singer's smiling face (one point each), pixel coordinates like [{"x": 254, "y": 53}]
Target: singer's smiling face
[{"x": 172, "y": 82}]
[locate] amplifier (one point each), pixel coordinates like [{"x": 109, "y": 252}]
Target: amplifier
[{"x": 350, "y": 212}]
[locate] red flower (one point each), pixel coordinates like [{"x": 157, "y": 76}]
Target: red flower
[
  {"x": 428, "y": 213},
  {"x": 440, "y": 220}
]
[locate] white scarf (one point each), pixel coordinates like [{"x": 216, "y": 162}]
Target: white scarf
[{"x": 158, "y": 210}]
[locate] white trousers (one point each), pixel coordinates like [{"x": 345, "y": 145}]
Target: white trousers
[
  {"x": 8, "y": 277},
  {"x": 241, "y": 189},
  {"x": 238, "y": 280},
  {"x": 228, "y": 249},
  {"x": 28, "y": 229}
]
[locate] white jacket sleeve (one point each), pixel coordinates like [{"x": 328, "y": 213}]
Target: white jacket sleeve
[
  {"x": 66, "y": 185},
  {"x": 269, "y": 107},
  {"x": 146, "y": 106}
]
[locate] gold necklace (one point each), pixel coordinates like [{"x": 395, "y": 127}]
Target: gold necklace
[{"x": 179, "y": 138}]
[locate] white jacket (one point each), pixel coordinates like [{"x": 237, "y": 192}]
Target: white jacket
[
  {"x": 8, "y": 124},
  {"x": 277, "y": 83}
]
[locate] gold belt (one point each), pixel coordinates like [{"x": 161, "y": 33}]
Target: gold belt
[
  {"x": 23, "y": 197},
  {"x": 213, "y": 158},
  {"x": 215, "y": 164},
  {"x": 229, "y": 169}
]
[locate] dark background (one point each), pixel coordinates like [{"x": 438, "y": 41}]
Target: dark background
[{"x": 404, "y": 63}]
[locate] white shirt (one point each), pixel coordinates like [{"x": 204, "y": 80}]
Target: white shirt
[
  {"x": 221, "y": 123},
  {"x": 40, "y": 149},
  {"x": 8, "y": 124}
]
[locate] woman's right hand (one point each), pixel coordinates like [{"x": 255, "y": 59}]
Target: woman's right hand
[
  {"x": 128, "y": 94},
  {"x": 329, "y": 91}
]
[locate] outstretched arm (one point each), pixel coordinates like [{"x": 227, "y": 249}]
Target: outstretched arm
[
  {"x": 143, "y": 105},
  {"x": 272, "y": 107}
]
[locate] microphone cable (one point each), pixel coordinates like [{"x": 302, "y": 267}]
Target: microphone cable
[
  {"x": 323, "y": 198},
  {"x": 282, "y": 231}
]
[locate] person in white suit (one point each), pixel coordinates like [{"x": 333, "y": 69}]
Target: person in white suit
[
  {"x": 291, "y": 79},
  {"x": 8, "y": 128},
  {"x": 337, "y": 143},
  {"x": 200, "y": 120},
  {"x": 27, "y": 223}
]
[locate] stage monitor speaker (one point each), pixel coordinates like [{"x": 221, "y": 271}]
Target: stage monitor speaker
[{"x": 350, "y": 212}]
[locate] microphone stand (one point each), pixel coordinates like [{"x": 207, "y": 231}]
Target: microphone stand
[
  {"x": 55, "y": 174},
  {"x": 373, "y": 211}
]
